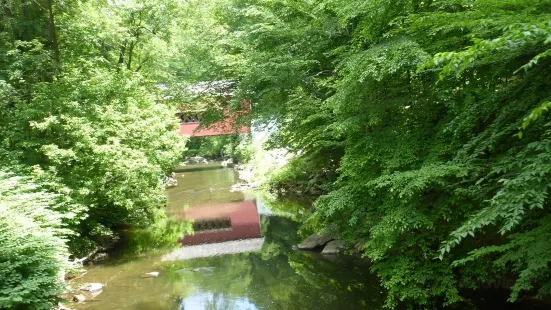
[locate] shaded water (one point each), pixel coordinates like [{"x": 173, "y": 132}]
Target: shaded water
[{"x": 276, "y": 276}]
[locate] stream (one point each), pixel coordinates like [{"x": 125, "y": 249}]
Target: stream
[
  {"x": 243, "y": 256},
  {"x": 262, "y": 271}
]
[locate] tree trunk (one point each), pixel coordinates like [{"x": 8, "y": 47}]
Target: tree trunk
[
  {"x": 52, "y": 33},
  {"x": 121, "y": 55},
  {"x": 25, "y": 10},
  {"x": 141, "y": 64},
  {"x": 130, "y": 51},
  {"x": 6, "y": 9},
  {"x": 9, "y": 17}
]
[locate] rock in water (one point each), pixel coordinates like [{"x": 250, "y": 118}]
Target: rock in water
[
  {"x": 199, "y": 269},
  {"x": 197, "y": 160},
  {"x": 79, "y": 298},
  {"x": 92, "y": 287},
  {"x": 227, "y": 163},
  {"x": 170, "y": 182},
  {"x": 153, "y": 274},
  {"x": 314, "y": 241},
  {"x": 100, "y": 257},
  {"x": 334, "y": 247}
]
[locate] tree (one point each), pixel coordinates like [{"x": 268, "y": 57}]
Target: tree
[
  {"x": 424, "y": 109},
  {"x": 33, "y": 252},
  {"x": 90, "y": 140}
]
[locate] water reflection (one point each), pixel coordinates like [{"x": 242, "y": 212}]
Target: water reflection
[
  {"x": 279, "y": 277},
  {"x": 227, "y": 227},
  {"x": 202, "y": 185},
  {"x": 214, "y": 249},
  {"x": 223, "y": 222},
  {"x": 264, "y": 271}
]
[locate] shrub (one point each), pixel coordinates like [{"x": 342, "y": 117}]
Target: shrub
[{"x": 33, "y": 252}]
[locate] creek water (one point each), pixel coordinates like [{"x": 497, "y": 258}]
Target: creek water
[{"x": 269, "y": 274}]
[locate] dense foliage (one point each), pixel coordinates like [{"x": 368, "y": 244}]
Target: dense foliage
[
  {"x": 237, "y": 147},
  {"x": 85, "y": 137},
  {"x": 423, "y": 125},
  {"x": 432, "y": 113},
  {"x": 33, "y": 252}
]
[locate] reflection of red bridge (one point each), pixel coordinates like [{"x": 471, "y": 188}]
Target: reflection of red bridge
[
  {"x": 189, "y": 124},
  {"x": 243, "y": 219}
]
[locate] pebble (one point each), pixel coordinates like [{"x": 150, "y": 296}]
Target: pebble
[
  {"x": 153, "y": 274},
  {"x": 92, "y": 287}
]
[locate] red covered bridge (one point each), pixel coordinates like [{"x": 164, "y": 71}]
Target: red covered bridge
[{"x": 190, "y": 124}]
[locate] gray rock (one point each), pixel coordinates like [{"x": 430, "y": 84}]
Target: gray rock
[
  {"x": 170, "y": 182},
  {"x": 227, "y": 163},
  {"x": 314, "y": 241},
  {"x": 92, "y": 287},
  {"x": 197, "y": 160},
  {"x": 334, "y": 247},
  {"x": 79, "y": 298},
  {"x": 100, "y": 257},
  {"x": 90, "y": 295},
  {"x": 206, "y": 269}
]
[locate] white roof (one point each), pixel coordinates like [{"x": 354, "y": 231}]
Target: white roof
[{"x": 214, "y": 249}]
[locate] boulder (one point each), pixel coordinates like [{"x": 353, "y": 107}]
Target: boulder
[
  {"x": 239, "y": 187},
  {"x": 99, "y": 257},
  {"x": 197, "y": 160},
  {"x": 90, "y": 295},
  {"x": 170, "y": 182},
  {"x": 152, "y": 274},
  {"x": 227, "y": 163},
  {"x": 92, "y": 287},
  {"x": 314, "y": 241},
  {"x": 79, "y": 298},
  {"x": 334, "y": 247}
]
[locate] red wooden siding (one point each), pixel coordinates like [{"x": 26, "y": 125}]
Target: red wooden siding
[
  {"x": 223, "y": 127},
  {"x": 220, "y": 128},
  {"x": 245, "y": 222}
]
